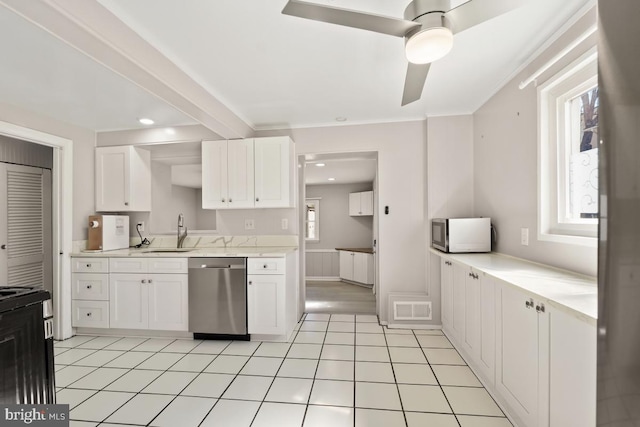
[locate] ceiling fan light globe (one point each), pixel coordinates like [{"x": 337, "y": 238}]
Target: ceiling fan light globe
[{"x": 429, "y": 45}]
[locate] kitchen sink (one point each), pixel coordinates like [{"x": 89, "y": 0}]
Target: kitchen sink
[{"x": 168, "y": 250}]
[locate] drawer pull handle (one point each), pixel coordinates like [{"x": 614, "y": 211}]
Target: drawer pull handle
[
  {"x": 88, "y": 265},
  {"x": 144, "y": 280},
  {"x": 250, "y": 282},
  {"x": 89, "y": 286},
  {"x": 264, "y": 266},
  {"x": 89, "y": 314},
  {"x": 223, "y": 200}
]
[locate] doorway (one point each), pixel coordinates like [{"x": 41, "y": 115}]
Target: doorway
[{"x": 339, "y": 232}]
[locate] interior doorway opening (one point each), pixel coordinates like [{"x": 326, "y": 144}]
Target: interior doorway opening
[{"x": 339, "y": 229}]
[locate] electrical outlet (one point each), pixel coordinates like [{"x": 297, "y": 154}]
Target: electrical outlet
[
  {"x": 285, "y": 223},
  {"x": 249, "y": 224},
  {"x": 524, "y": 236},
  {"x": 140, "y": 226}
]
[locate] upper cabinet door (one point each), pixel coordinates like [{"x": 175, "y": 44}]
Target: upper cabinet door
[
  {"x": 214, "y": 175},
  {"x": 274, "y": 175},
  {"x": 123, "y": 179},
  {"x": 366, "y": 203},
  {"x": 241, "y": 189},
  {"x": 354, "y": 204}
]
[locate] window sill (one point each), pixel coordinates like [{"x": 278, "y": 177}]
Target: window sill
[{"x": 569, "y": 239}]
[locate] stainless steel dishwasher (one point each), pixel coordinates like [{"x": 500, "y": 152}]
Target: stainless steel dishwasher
[{"x": 218, "y": 298}]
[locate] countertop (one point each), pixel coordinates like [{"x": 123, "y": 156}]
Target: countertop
[
  {"x": 250, "y": 252},
  {"x": 363, "y": 250},
  {"x": 570, "y": 292}
]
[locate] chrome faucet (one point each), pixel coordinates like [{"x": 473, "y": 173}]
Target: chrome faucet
[{"x": 182, "y": 230}]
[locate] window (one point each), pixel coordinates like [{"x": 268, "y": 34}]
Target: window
[
  {"x": 568, "y": 154},
  {"x": 312, "y": 220}
]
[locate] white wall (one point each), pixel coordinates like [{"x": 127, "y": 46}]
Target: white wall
[
  {"x": 401, "y": 172},
  {"x": 337, "y": 228},
  {"x": 230, "y": 222}
]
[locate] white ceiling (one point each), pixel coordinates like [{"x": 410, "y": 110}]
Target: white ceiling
[
  {"x": 347, "y": 168},
  {"x": 43, "y": 74},
  {"x": 279, "y": 71}
]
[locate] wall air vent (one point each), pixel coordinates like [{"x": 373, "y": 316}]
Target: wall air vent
[{"x": 412, "y": 310}]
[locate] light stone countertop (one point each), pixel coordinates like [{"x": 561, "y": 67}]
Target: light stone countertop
[
  {"x": 250, "y": 252},
  {"x": 573, "y": 293}
]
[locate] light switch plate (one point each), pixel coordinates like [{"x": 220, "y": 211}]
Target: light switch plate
[
  {"x": 524, "y": 236},
  {"x": 249, "y": 224}
]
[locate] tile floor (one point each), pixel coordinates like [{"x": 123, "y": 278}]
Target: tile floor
[{"x": 339, "y": 370}]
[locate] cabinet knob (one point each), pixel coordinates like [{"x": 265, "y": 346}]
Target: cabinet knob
[
  {"x": 150, "y": 281},
  {"x": 144, "y": 280},
  {"x": 257, "y": 199},
  {"x": 471, "y": 275},
  {"x": 89, "y": 286},
  {"x": 540, "y": 308},
  {"x": 88, "y": 265},
  {"x": 230, "y": 200},
  {"x": 264, "y": 266},
  {"x": 223, "y": 200},
  {"x": 89, "y": 314},
  {"x": 250, "y": 282},
  {"x": 126, "y": 203},
  {"x": 3, "y": 247},
  {"x": 529, "y": 303}
]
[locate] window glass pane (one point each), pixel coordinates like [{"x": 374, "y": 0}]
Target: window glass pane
[{"x": 311, "y": 219}]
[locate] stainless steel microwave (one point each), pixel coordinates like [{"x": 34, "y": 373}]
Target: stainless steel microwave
[{"x": 458, "y": 235}]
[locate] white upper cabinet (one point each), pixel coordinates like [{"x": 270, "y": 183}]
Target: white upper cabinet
[
  {"x": 361, "y": 204},
  {"x": 123, "y": 179},
  {"x": 247, "y": 173}
]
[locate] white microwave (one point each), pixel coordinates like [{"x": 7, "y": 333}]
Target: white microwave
[{"x": 459, "y": 235}]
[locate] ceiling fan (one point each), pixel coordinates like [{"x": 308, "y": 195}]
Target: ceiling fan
[{"x": 428, "y": 28}]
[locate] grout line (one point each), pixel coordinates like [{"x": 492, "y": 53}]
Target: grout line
[{"x": 395, "y": 379}]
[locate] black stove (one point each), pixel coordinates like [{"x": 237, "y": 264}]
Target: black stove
[{"x": 12, "y": 297}]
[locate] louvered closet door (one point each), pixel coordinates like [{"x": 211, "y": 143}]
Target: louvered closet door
[{"x": 23, "y": 200}]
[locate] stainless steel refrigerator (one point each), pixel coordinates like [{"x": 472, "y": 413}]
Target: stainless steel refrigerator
[{"x": 619, "y": 245}]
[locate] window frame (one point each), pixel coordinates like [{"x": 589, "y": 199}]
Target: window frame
[
  {"x": 554, "y": 147},
  {"x": 316, "y": 201}
]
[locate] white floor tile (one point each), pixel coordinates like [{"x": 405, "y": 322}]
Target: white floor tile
[
  {"x": 415, "y": 419},
  {"x": 170, "y": 383},
  {"x": 73, "y": 355},
  {"x": 181, "y": 346},
  {"x": 99, "y": 343},
  {"x": 73, "y": 397},
  {"x": 456, "y": 375},
  {"x": 141, "y": 409},
  {"x": 471, "y": 421},
  {"x": 378, "y": 418},
  {"x": 279, "y": 414},
  {"x": 427, "y": 332},
  {"x": 272, "y": 349},
  {"x": 414, "y": 374},
  {"x": 73, "y": 341},
  {"x": 323, "y": 416},
  {"x": 369, "y": 328},
  {"x": 341, "y": 338},
  {"x": 472, "y": 401},
  {"x": 335, "y": 370},
  {"x": 236, "y": 413},
  {"x": 71, "y": 374},
  {"x": 437, "y": 356},
  {"x": 99, "y": 358},
  {"x": 423, "y": 398},
  {"x": 314, "y": 326},
  {"x": 377, "y": 396},
  {"x": 241, "y": 348},
  {"x": 130, "y": 359},
  {"x": 434, "y": 341},
  {"x": 224, "y": 364},
  {"x": 99, "y": 406},
  {"x": 184, "y": 412},
  {"x": 193, "y": 362},
  {"x": 248, "y": 388},
  {"x": 371, "y": 339},
  {"x": 305, "y": 351},
  {"x": 160, "y": 361},
  {"x": 99, "y": 379},
  {"x": 266, "y": 366},
  {"x": 407, "y": 355},
  {"x": 208, "y": 385},
  {"x": 402, "y": 341},
  {"x": 341, "y": 327},
  {"x": 211, "y": 347},
  {"x": 134, "y": 381},
  {"x": 59, "y": 367},
  {"x": 73, "y": 423},
  {"x": 337, "y": 352},
  {"x": 372, "y": 354},
  {"x": 289, "y": 390},
  {"x": 126, "y": 344},
  {"x": 333, "y": 393},
  {"x": 379, "y": 372},
  {"x": 366, "y": 318},
  {"x": 59, "y": 350},
  {"x": 343, "y": 318},
  {"x": 396, "y": 331},
  {"x": 154, "y": 344},
  {"x": 298, "y": 368},
  {"x": 318, "y": 316},
  {"x": 309, "y": 337}
]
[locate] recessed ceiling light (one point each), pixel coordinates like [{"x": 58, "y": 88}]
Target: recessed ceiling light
[
  {"x": 332, "y": 179},
  {"x": 170, "y": 131},
  {"x": 341, "y": 119},
  {"x": 146, "y": 121},
  {"x": 320, "y": 165}
]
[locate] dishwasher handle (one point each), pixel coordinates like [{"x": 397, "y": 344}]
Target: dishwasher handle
[
  {"x": 219, "y": 263},
  {"x": 226, "y": 267}
]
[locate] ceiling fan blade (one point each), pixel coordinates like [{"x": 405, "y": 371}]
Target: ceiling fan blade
[
  {"x": 414, "y": 82},
  {"x": 349, "y": 18},
  {"x": 475, "y": 12}
]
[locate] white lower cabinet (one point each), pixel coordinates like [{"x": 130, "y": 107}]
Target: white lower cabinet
[
  {"x": 356, "y": 267},
  {"x": 446, "y": 292},
  {"x": 129, "y": 301},
  {"x": 90, "y": 314},
  {"x": 265, "y": 304}
]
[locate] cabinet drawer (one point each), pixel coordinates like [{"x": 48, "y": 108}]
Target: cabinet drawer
[
  {"x": 168, "y": 265},
  {"x": 265, "y": 266},
  {"x": 128, "y": 265},
  {"x": 90, "y": 286},
  {"x": 90, "y": 314},
  {"x": 90, "y": 265}
]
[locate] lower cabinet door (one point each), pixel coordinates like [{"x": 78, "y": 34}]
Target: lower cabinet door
[
  {"x": 446, "y": 289},
  {"x": 346, "y": 265},
  {"x": 266, "y": 304},
  {"x": 129, "y": 301},
  {"x": 459, "y": 298},
  {"x": 168, "y": 302}
]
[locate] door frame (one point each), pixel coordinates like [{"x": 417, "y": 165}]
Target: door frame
[{"x": 61, "y": 218}]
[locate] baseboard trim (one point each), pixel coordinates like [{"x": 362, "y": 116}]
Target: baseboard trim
[
  {"x": 322, "y": 278},
  {"x": 412, "y": 326}
]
